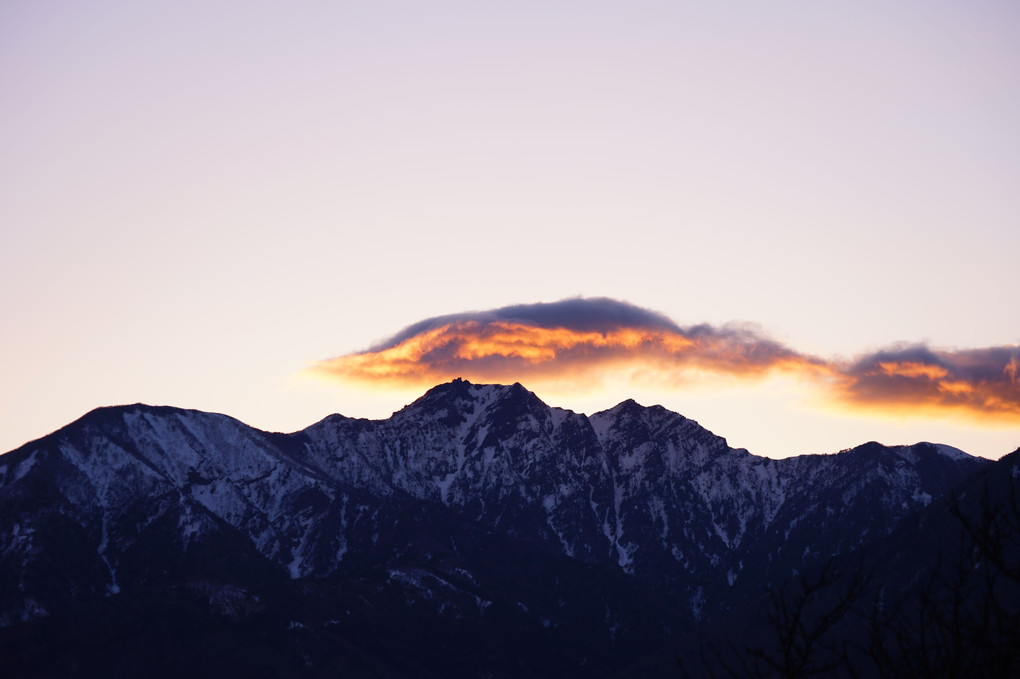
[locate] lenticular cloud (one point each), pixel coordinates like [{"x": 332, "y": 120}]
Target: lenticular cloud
[
  {"x": 583, "y": 340},
  {"x": 560, "y": 339}
]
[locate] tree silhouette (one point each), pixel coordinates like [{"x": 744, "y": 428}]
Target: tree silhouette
[{"x": 946, "y": 604}]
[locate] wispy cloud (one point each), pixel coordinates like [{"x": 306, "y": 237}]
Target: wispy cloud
[{"x": 580, "y": 341}]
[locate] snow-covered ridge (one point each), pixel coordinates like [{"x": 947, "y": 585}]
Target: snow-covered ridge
[{"x": 640, "y": 489}]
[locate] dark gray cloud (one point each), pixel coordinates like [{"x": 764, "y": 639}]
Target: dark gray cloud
[{"x": 596, "y": 314}]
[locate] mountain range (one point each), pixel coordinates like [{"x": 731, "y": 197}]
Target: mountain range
[{"x": 476, "y": 532}]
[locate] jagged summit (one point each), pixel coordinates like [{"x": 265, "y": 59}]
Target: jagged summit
[
  {"x": 631, "y": 410},
  {"x": 461, "y": 397}
]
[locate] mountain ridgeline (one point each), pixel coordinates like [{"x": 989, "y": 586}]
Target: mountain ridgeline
[{"x": 476, "y": 532}]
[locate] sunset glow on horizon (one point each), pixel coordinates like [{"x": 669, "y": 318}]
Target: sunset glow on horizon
[{"x": 979, "y": 385}]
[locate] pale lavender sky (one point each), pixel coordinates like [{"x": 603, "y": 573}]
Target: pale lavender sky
[{"x": 199, "y": 199}]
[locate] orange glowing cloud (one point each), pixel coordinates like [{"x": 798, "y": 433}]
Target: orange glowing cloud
[
  {"x": 912, "y": 369},
  {"x": 979, "y": 384},
  {"x": 573, "y": 340},
  {"x": 503, "y": 350},
  {"x": 580, "y": 341}
]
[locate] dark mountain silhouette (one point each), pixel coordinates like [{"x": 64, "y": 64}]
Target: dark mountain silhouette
[{"x": 476, "y": 532}]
